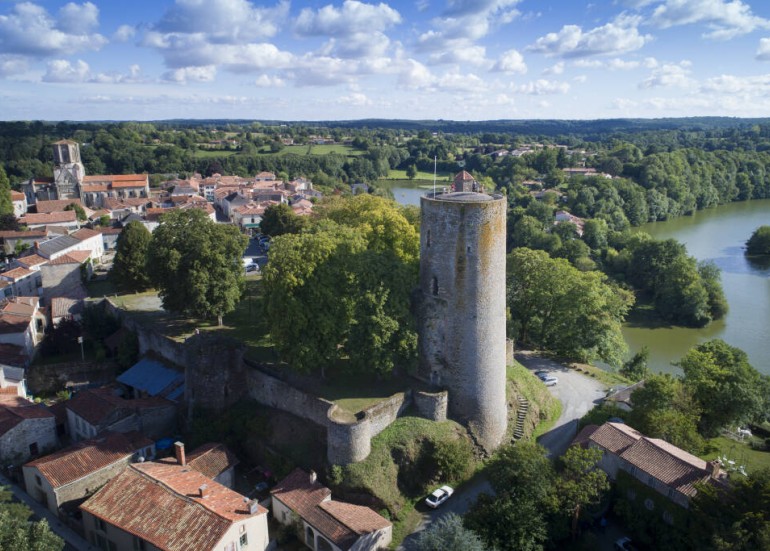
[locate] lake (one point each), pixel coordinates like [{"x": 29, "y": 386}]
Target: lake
[{"x": 718, "y": 235}]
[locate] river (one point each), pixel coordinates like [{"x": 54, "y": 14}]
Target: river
[{"x": 718, "y": 235}]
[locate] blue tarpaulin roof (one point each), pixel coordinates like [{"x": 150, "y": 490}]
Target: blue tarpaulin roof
[{"x": 153, "y": 377}]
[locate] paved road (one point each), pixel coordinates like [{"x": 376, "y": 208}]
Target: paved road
[
  {"x": 577, "y": 393},
  {"x": 73, "y": 541}
]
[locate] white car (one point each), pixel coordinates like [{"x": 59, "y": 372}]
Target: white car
[
  {"x": 439, "y": 496},
  {"x": 549, "y": 380}
]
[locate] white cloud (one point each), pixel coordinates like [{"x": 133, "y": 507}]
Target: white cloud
[
  {"x": 542, "y": 87},
  {"x": 556, "y": 69},
  {"x": 415, "y": 75},
  {"x": 224, "y": 21},
  {"x": 124, "y": 33},
  {"x": 266, "y": 81},
  {"x": 461, "y": 25},
  {"x": 511, "y": 62},
  {"x": 763, "y": 52},
  {"x": 743, "y": 86},
  {"x": 457, "y": 82},
  {"x": 61, "y": 70},
  {"x": 356, "y": 29},
  {"x": 617, "y": 37},
  {"x": 669, "y": 74},
  {"x": 725, "y": 19},
  {"x": 184, "y": 75},
  {"x": 355, "y": 99},
  {"x": 78, "y": 18},
  {"x": 31, "y": 30},
  {"x": 12, "y": 65},
  {"x": 352, "y": 18},
  {"x": 580, "y": 79}
]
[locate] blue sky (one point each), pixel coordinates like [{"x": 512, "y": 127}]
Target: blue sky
[{"x": 424, "y": 59}]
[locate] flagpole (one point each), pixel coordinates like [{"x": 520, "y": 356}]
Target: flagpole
[{"x": 434, "y": 176}]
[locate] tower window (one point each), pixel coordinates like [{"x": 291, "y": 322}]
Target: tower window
[{"x": 434, "y": 286}]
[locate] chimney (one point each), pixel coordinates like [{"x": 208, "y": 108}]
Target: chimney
[
  {"x": 179, "y": 453},
  {"x": 713, "y": 468},
  {"x": 313, "y": 477},
  {"x": 203, "y": 491},
  {"x": 253, "y": 506}
]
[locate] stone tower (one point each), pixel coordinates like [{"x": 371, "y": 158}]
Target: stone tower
[
  {"x": 68, "y": 170},
  {"x": 461, "y": 308}
]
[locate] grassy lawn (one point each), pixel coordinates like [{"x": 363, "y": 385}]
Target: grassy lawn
[
  {"x": 355, "y": 393},
  {"x": 444, "y": 177},
  {"x": 379, "y": 474},
  {"x": 213, "y": 153},
  {"x": 740, "y": 452},
  {"x": 609, "y": 378}
]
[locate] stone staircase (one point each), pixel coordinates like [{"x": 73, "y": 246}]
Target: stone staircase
[{"x": 521, "y": 415}]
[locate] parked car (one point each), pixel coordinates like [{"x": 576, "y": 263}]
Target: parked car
[
  {"x": 439, "y": 496},
  {"x": 542, "y": 373},
  {"x": 549, "y": 380},
  {"x": 624, "y": 544},
  {"x": 252, "y": 268}
]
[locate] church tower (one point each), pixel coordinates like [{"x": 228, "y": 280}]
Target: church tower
[
  {"x": 461, "y": 308},
  {"x": 68, "y": 170}
]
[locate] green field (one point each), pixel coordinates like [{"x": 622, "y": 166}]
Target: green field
[
  {"x": 304, "y": 150},
  {"x": 740, "y": 452},
  {"x": 213, "y": 153},
  {"x": 426, "y": 177}
]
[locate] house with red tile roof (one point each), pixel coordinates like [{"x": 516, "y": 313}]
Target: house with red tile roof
[
  {"x": 26, "y": 430},
  {"x": 327, "y": 524},
  {"x": 65, "y": 478},
  {"x": 168, "y": 505},
  {"x": 215, "y": 461},
  {"x": 19, "y": 201},
  {"x": 463, "y": 181},
  {"x": 65, "y": 218},
  {"x": 667, "y": 469},
  {"x": 22, "y": 324},
  {"x": 92, "y": 411}
]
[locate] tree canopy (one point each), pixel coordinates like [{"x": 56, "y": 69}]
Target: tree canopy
[
  {"x": 448, "y": 532},
  {"x": 557, "y": 307},
  {"x": 129, "y": 269},
  {"x": 18, "y": 533},
  {"x": 340, "y": 289},
  {"x": 195, "y": 264},
  {"x": 759, "y": 242},
  {"x": 6, "y": 205},
  {"x": 280, "y": 219}
]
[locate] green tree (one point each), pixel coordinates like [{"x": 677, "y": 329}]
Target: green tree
[
  {"x": 196, "y": 264},
  {"x": 18, "y": 533},
  {"x": 523, "y": 471},
  {"x": 6, "y": 205},
  {"x": 129, "y": 269},
  {"x": 636, "y": 368},
  {"x": 759, "y": 242},
  {"x": 733, "y": 518},
  {"x": 557, "y": 307},
  {"x": 727, "y": 388},
  {"x": 446, "y": 533},
  {"x": 580, "y": 482},
  {"x": 79, "y": 211},
  {"x": 411, "y": 171},
  {"x": 507, "y": 524},
  {"x": 280, "y": 219},
  {"x": 664, "y": 408}
]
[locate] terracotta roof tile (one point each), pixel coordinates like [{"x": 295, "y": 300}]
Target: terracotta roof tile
[
  {"x": 84, "y": 233},
  {"x": 50, "y": 218},
  {"x": 83, "y": 458},
  {"x": 341, "y": 523},
  {"x": 159, "y": 502},
  {"x": 17, "y": 196},
  {"x": 671, "y": 465},
  {"x": 212, "y": 459},
  {"x": 33, "y": 234},
  {"x": 16, "y": 411},
  {"x": 615, "y": 437},
  {"x": 72, "y": 257},
  {"x": 58, "y": 205},
  {"x": 97, "y": 404},
  {"x": 17, "y": 273},
  {"x": 31, "y": 260}
]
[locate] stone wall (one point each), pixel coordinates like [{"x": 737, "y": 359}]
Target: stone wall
[
  {"x": 217, "y": 375},
  {"x": 432, "y": 405}
]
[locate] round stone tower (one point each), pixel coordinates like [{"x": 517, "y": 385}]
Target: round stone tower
[{"x": 461, "y": 308}]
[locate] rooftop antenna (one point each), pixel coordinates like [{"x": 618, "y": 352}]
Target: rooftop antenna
[{"x": 434, "y": 176}]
